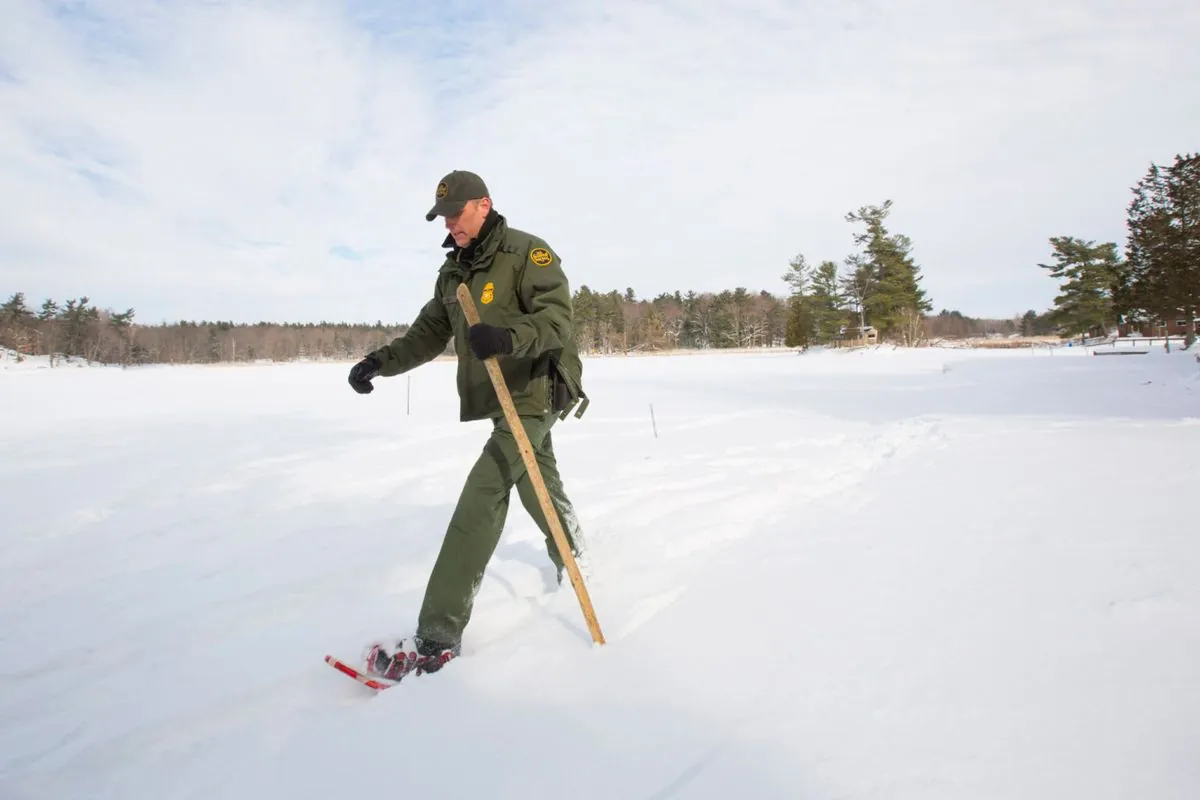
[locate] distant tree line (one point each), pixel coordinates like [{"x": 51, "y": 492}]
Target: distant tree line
[
  {"x": 874, "y": 294},
  {"x": 619, "y": 322},
  {"x": 78, "y": 329},
  {"x": 610, "y": 322},
  {"x": 954, "y": 325},
  {"x": 1157, "y": 282}
]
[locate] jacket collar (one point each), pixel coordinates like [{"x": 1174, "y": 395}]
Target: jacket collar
[{"x": 480, "y": 249}]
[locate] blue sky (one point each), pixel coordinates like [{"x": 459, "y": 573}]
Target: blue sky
[{"x": 247, "y": 161}]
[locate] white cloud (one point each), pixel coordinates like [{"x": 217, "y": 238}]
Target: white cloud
[{"x": 222, "y": 160}]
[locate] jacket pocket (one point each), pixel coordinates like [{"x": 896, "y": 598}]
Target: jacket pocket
[{"x": 563, "y": 390}]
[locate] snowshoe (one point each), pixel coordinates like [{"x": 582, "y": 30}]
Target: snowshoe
[{"x": 407, "y": 656}]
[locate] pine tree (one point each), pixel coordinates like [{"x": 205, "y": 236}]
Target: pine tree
[
  {"x": 799, "y": 331},
  {"x": 690, "y": 328},
  {"x": 722, "y": 329},
  {"x": 14, "y": 309},
  {"x": 78, "y": 320},
  {"x": 1029, "y": 323},
  {"x": 1163, "y": 245},
  {"x": 897, "y": 301},
  {"x": 1088, "y": 272},
  {"x": 123, "y": 324},
  {"x": 48, "y": 328},
  {"x": 828, "y": 303},
  {"x": 798, "y": 275},
  {"x": 15, "y": 329}
]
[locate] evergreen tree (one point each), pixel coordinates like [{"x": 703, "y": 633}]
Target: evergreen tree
[
  {"x": 799, "y": 331},
  {"x": 798, "y": 275},
  {"x": 828, "y": 306},
  {"x": 15, "y": 324},
  {"x": 14, "y": 309},
  {"x": 48, "y": 328},
  {"x": 897, "y": 301},
  {"x": 800, "y": 321},
  {"x": 722, "y": 325},
  {"x": 1029, "y": 323},
  {"x": 1088, "y": 272},
  {"x": 78, "y": 320},
  {"x": 1163, "y": 245},
  {"x": 123, "y": 325},
  {"x": 690, "y": 329}
]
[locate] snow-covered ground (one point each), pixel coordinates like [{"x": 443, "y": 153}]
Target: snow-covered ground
[{"x": 880, "y": 574}]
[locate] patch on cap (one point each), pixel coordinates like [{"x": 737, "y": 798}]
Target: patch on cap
[{"x": 442, "y": 190}]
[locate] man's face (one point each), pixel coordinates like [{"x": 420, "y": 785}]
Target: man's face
[{"x": 465, "y": 226}]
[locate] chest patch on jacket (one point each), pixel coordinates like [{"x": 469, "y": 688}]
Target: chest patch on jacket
[{"x": 488, "y": 294}]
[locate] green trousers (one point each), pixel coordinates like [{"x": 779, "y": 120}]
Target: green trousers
[{"x": 478, "y": 521}]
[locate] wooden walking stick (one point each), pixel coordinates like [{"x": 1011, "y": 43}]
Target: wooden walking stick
[{"x": 535, "y": 473}]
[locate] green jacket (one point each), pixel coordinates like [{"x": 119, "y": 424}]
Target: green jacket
[{"x": 518, "y": 283}]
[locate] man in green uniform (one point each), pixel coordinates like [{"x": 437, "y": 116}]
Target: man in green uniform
[{"x": 524, "y": 304}]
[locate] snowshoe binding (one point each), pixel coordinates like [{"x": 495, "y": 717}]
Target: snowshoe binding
[{"x": 407, "y": 656}]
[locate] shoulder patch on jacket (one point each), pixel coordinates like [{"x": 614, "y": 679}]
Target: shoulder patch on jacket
[{"x": 541, "y": 256}]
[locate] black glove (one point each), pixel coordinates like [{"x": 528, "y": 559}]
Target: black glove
[
  {"x": 362, "y": 373},
  {"x": 488, "y": 340}
]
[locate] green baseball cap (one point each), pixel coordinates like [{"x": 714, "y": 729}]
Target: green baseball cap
[{"x": 453, "y": 192}]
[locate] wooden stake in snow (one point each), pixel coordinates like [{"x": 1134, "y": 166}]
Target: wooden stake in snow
[{"x": 535, "y": 474}]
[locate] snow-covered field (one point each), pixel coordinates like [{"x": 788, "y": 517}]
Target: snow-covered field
[{"x": 888, "y": 574}]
